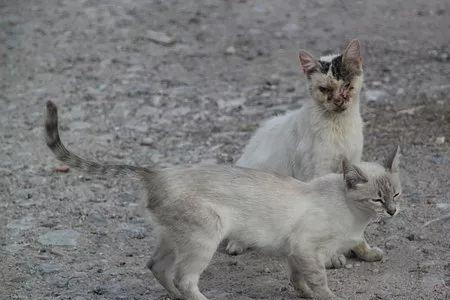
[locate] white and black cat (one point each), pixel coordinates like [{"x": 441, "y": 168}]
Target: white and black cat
[
  {"x": 196, "y": 208},
  {"x": 309, "y": 142}
]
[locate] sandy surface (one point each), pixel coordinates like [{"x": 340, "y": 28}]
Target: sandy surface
[{"x": 195, "y": 93}]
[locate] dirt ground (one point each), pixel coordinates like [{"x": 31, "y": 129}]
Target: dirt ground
[{"x": 184, "y": 82}]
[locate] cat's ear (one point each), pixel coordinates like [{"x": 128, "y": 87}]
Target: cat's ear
[
  {"x": 393, "y": 160},
  {"x": 352, "y": 174},
  {"x": 352, "y": 55},
  {"x": 307, "y": 62}
]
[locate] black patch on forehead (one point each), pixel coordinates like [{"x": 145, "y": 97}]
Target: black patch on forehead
[
  {"x": 337, "y": 68},
  {"x": 324, "y": 66}
]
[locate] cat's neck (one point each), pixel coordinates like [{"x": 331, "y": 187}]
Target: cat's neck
[
  {"x": 332, "y": 186},
  {"x": 320, "y": 113}
]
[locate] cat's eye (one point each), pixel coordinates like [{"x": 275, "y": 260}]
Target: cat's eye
[
  {"x": 377, "y": 200},
  {"x": 323, "y": 89},
  {"x": 396, "y": 195}
]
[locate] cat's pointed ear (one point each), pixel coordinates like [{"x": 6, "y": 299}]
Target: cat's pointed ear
[
  {"x": 307, "y": 62},
  {"x": 352, "y": 55},
  {"x": 393, "y": 160},
  {"x": 352, "y": 174}
]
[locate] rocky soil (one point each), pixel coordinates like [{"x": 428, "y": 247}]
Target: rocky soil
[{"x": 183, "y": 82}]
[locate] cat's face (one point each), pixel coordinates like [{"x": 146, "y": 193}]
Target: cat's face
[
  {"x": 374, "y": 187},
  {"x": 336, "y": 80}
]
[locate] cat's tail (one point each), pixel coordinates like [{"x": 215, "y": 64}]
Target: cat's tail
[{"x": 74, "y": 161}]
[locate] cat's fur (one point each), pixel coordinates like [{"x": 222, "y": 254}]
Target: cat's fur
[
  {"x": 196, "y": 208},
  {"x": 309, "y": 142}
]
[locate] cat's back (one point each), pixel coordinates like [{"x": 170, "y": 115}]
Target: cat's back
[
  {"x": 221, "y": 181},
  {"x": 272, "y": 145}
]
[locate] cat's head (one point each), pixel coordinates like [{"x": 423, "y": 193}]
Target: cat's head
[
  {"x": 372, "y": 186},
  {"x": 335, "y": 81}
]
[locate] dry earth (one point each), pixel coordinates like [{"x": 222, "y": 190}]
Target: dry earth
[{"x": 177, "y": 82}]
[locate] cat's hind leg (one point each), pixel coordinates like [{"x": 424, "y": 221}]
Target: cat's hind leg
[
  {"x": 192, "y": 259},
  {"x": 298, "y": 280},
  {"x": 367, "y": 253},
  {"x": 312, "y": 270},
  {"x": 162, "y": 265}
]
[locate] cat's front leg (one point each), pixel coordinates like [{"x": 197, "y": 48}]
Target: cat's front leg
[
  {"x": 337, "y": 261},
  {"x": 367, "y": 253},
  {"x": 235, "y": 248}
]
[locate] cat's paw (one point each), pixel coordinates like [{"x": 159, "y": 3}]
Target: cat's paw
[
  {"x": 373, "y": 254},
  {"x": 336, "y": 262},
  {"x": 234, "y": 248}
]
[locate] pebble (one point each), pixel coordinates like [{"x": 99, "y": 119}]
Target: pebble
[
  {"x": 79, "y": 125},
  {"x": 63, "y": 237},
  {"x": 440, "y": 140},
  {"x": 230, "y": 103},
  {"x": 48, "y": 268},
  {"x": 135, "y": 232},
  {"x": 400, "y": 91},
  {"x": 348, "y": 266},
  {"x": 230, "y": 50},
  {"x": 21, "y": 224},
  {"x": 443, "y": 206},
  {"x": 160, "y": 38},
  {"x": 266, "y": 270},
  {"x": 375, "y": 95},
  {"x": 148, "y": 141},
  {"x": 62, "y": 169},
  {"x": 410, "y": 111}
]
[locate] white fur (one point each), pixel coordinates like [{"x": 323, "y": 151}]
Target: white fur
[{"x": 304, "y": 143}]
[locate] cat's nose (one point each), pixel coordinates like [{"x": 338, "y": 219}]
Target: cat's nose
[
  {"x": 338, "y": 102},
  {"x": 392, "y": 211}
]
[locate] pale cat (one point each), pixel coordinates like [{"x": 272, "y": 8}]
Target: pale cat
[
  {"x": 309, "y": 142},
  {"x": 196, "y": 208}
]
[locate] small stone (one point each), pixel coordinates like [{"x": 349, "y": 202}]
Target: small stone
[
  {"x": 410, "y": 111},
  {"x": 21, "y": 224},
  {"x": 134, "y": 232},
  {"x": 80, "y": 125},
  {"x": 440, "y": 140},
  {"x": 62, "y": 169},
  {"x": 375, "y": 95},
  {"x": 48, "y": 268},
  {"x": 290, "y": 89},
  {"x": 348, "y": 266},
  {"x": 357, "y": 265},
  {"x": 99, "y": 290},
  {"x": 230, "y": 50},
  {"x": 148, "y": 141},
  {"x": 389, "y": 245},
  {"x": 266, "y": 270},
  {"x": 274, "y": 79},
  {"x": 400, "y": 91},
  {"x": 160, "y": 38},
  {"x": 443, "y": 206},
  {"x": 63, "y": 237}
]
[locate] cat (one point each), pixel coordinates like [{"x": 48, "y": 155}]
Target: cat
[
  {"x": 195, "y": 208},
  {"x": 308, "y": 142}
]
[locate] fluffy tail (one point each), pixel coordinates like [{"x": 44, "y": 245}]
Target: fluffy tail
[{"x": 74, "y": 161}]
